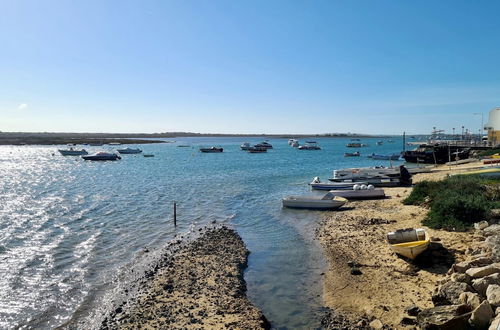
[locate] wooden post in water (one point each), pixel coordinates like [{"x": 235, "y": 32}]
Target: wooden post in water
[{"x": 175, "y": 214}]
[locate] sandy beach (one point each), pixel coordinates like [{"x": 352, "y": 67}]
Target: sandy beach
[{"x": 365, "y": 278}]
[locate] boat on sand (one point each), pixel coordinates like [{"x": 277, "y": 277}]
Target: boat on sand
[
  {"x": 409, "y": 242},
  {"x": 360, "y": 192},
  {"x": 326, "y": 202},
  {"x": 316, "y": 184}
]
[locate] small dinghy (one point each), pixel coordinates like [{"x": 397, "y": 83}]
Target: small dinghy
[
  {"x": 72, "y": 152},
  {"x": 129, "y": 151},
  {"x": 102, "y": 156},
  {"x": 409, "y": 242},
  {"x": 327, "y": 202},
  {"x": 318, "y": 185},
  {"x": 352, "y": 154},
  {"x": 211, "y": 149},
  {"x": 360, "y": 192},
  {"x": 256, "y": 150}
]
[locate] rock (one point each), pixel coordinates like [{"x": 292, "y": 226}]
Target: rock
[
  {"x": 481, "y": 225},
  {"x": 463, "y": 266},
  {"x": 493, "y": 294},
  {"x": 481, "y": 284},
  {"x": 493, "y": 242},
  {"x": 445, "y": 317},
  {"x": 460, "y": 277},
  {"x": 413, "y": 310},
  {"x": 376, "y": 324},
  {"x": 450, "y": 292},
  {"x": 497, "y": 311},
  {"x": 471, "y": 299},
  {"x": 495, "y": 213},
  {"x": 477, "y": 272},
  {"x": 491, "y": 230},
  {"x": 356, "y": 271},
  {"x": 408, "y": 321},
  {"x": 481, "y": 316},
  {"x": 495, "y": 324}
]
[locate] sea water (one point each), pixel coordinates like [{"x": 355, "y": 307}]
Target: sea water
[{"x": 69, "y": 226}]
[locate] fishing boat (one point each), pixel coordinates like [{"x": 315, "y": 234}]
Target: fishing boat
[
  {"x": 436, "y": 153},
  {"x": 256, "y": 150},
  {"x": 72, "y": 152},
  {"x": 384, "y": 157},
  {"x": 264, "y": 144},
  {"x": 360, "y": 192},
  {"x": 129, "y": 151},
  {"x": 310, "y": 146},
  {"x": 102, "y": 156},
  {"x": 245, "y": 146},
  {"x": 409, "y": 242},
  {"x": 327, "y": 202},
  {"x": 316, "y": 184},
  {"x": 352, "y": 154},
  {"x": 211, "y": 150}
]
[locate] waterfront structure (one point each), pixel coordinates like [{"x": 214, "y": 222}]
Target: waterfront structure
[{"x": 493, "y": 127}]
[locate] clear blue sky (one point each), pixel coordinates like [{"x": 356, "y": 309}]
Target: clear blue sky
[{"x": 247, "y": 66}]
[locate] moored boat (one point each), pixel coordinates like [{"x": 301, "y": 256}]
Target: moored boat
[
  {"x": 102, "y": 156},
  {"x": 211, "y": 150},
  {"x": 129, "y": 151},
  {"x": 326, "y": 202},
  {"x": 256, "y": 150},
  {"x": 310, "y": 146},
  {"x": 409, "y": 242},
  {"x": 148, "y": 155},
  {"x": 264, "y": 144},
  {"x": 352, "y": 154},
  {"x": 245, "y": 146},
  {"x": 72, "y": 152}
]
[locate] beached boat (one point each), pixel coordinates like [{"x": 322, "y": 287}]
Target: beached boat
[
  {"x": 129, "y": 151},
  {"x": 316, "y": 184},
  {"x": 211, "y": 150},
  {"x": 327, "y": 202},
  {"x": 436, "y": 154},
  {"x": 102, "y": 156},
  {"x": 245, "y": 146},
  {"x": 377, "y": 182},
  {"x": 352, "y": 154},
  {"x": 310, "y": 146},
  {"x": 360, "y": 192},
  {"x": 384, "y": 157},
  {"x": 263, "y": 145},
  {"x": 373, "y": 172},
  {"x": 409, "y": 242},
  {"x": 72, "y": 152}
]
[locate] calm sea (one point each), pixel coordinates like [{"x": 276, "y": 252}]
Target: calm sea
[{"x": 68, "y": 226}]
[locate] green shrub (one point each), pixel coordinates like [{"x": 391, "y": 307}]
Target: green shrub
[{"x": 489, "y": 152}]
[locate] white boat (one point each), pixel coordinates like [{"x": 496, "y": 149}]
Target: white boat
[
  {"x": 291, "y": 141},
  {"x": 310, "y": 146},
  {"x": 295, "y": 144},
  {"x": 327, "y": 202},
  {"x": 245, "y": 146},
  {"x": 360, "y": 192},
  {"x": 72, "y": 152},
  {"x": 409, "y": 242},
  {"x": 316, "y": 184},
  {"x": 129, "y": 151},
  {"x": 102, "y": 156}
]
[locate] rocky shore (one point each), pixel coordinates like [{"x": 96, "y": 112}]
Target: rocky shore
[
  {"x": 455, "y": 284},
  {"x": 200, "y": 285}
]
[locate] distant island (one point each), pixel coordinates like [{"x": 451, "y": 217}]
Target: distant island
[{"x": 48, "y": 138}]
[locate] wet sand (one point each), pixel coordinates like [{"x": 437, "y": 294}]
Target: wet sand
[
  {"x": 366, "y": 280},
  {"x": 201, "y": 285}
]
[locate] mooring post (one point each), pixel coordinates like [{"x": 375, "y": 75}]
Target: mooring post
[{"x": 175, "y": 214}]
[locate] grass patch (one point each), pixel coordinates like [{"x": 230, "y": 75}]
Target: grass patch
[
  {"x": 489, "y": 152},
  {"x": 456, "y": 202}
]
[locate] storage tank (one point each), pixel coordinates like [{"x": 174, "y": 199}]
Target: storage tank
[{"x": 493, "y": 127}]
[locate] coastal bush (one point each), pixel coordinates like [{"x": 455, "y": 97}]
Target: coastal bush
[
  {"x": 456, "y": 202},
  {"x": 489, "y": 152}
]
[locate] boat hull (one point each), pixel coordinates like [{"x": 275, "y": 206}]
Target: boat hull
[
  {"x": 335, "y": 185},
  {"x": 411, "y": 250},
  {"x": 299, "y": 202},
  {"x": 360, "y": 194},
  {"x": 73, "y": 152}
]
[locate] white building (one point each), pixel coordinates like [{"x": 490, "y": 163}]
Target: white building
[{"x": 493, "y": 127}]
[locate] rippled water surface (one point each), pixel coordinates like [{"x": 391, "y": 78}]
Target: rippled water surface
[{"x": 67, "y": 226}]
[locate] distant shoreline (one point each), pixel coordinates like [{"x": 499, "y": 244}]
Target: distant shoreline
[{"x": 45, "y": 138}]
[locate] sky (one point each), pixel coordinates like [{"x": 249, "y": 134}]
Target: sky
[{"x": 279, "y": 66}]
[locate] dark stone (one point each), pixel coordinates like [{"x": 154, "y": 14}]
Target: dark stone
[
  {"x": 356, "y": 271},
  {"x": 413, "y": 310},
  {"x": 453, "y": 317},
  {"x": 408, "y": 321}
]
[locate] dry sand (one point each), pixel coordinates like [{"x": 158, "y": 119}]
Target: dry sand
[{"x": 355, "y": 238}]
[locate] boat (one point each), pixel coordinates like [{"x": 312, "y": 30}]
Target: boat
[
  {"x": 352, "y": 154},
  {"x": 291, "y": 141},
  {"x": 245, "y": 146},
  {"x": 183, "y": 146},
  {"x": 409, "y": 242},
  {"x": 310, "y": 146},
  {"x": 375, "y": 172},
  {"x": 355, "y": 145},
  {"x": 316, "y": 184},
  {"x": 72, "y": 152},
  {"x": 390, "y": 141},
  {"x": 264, "y": 145},
  {"x": 491, "y": 161},
  {"x": 384, "y": 157},
  {"x": 148, "y": 155},
  {"x": 102, "y": 156},
  {"x": 377, "y": 182},
  {"x": 379, "y": 143},
  {"x": 360, "y": 192},
  {"x": 256, "y": 150},
  {"x": 436, "y": 153},
  {"x": 326, "y": 202},
  {"x": 129, "y": 151},
  {"x": 295, "y": 144},
  {"x": 211, "y": 150}
]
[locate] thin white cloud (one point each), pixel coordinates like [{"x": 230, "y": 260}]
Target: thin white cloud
[{"x": 22, "y": 106}]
